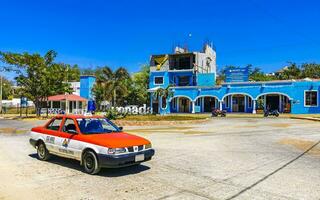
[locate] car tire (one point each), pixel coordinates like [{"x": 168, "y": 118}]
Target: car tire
[
  {"x": 90, "y": 163},
  {"x": 42, "y": 152}
]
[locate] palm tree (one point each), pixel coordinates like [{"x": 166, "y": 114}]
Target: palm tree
[
  {"x": 163, "y": 93},
  {"x": 110, "y": 84}
]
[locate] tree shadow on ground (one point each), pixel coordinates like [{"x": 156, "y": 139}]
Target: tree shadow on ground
[{"x": 106, "y": 172}]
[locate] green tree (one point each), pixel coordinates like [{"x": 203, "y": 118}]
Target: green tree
[
  {"x": 310, "y": 70},
  {"x": 73, "y": 72},
  {"x": 138, "y": 90},
  {"x": 290, "y": 72},
  {"x": 112, "y": 86},
  {"x": 38, "y": 76},
  {"x": 7, "y": 88},
  {"x": 89, "y": 71},
  {"x": 256, "y": 74},
  {"x": 163, "y": 92}
]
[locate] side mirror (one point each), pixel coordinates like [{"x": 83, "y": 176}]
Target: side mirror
[
  {"x": 120, "y": 128},
  {"x": 72, "y": 131}
]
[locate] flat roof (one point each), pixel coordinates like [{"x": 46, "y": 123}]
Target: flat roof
[
  {"x": 68, "y": 97},
  {"x": 274, "y": 81}
]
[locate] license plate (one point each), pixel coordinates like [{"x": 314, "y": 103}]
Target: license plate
[{"x": 139, "y": 158}]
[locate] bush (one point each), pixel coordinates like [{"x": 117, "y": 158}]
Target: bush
[{"x": 113, "y": 114}]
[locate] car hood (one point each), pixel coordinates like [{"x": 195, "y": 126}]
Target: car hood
[{"x": 116, "y": 140}]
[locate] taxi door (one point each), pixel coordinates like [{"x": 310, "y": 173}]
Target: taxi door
[
  {"x": 71, "y": 145},
  {"x": 52, "y": 136}
]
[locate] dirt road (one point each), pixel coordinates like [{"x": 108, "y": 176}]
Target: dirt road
[{"x": 221, "y": 159}]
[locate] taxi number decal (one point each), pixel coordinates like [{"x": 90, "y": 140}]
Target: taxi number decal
[{"x": 66, "y": 151}]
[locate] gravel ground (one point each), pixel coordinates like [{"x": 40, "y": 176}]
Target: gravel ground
[{"x": 220, "y": 159}]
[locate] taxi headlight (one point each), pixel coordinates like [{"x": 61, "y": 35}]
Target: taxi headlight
[
  {"x": 148, "y": 146},
  {"x": 116, "y": 150}
]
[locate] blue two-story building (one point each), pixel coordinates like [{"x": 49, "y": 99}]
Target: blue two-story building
[{"x": 191, "y": 77}]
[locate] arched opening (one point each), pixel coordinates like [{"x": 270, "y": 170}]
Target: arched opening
[
  {"x": 181, "y": 104},
  {"x": 240, "y": 103},
  {"x": 206, "y": 103},
  {"x": 274, "y": 101}
]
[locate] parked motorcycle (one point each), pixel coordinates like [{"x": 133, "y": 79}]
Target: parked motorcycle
[
  {"x": 271, "y": 113},
  {"x": 217, "y": 112}
]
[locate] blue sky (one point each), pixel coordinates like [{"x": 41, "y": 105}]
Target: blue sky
[{"x": 265, "y": 33}]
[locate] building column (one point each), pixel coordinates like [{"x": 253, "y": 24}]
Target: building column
[
  {"x": 202, "y": 104},
  {"x": 67, "y": 107},
  {"x": 51, "y": 104},
  {"x": 245, "y": 103},
  {"x": 193, "y": 107},
  {"x": 254, "y": 111},
  {"x": 177, "y": 104},
  {"x": 220, "y": 105},
  {"x": 77, "y": 108},
  {"x": 151, "y": 102},
  {"x": 231, "y": 104},
  {"x": 265, "y": 102},
  {"x": 160, "y": 105},
  {"x": 280, "y": 103}
]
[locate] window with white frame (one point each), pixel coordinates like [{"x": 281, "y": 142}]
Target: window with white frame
[
  {"x": 158, "y": 80},
  {"x": 311, "y": 98}
]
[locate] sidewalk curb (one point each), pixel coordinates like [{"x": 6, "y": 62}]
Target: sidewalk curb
[{"x": 307, "y": 118}]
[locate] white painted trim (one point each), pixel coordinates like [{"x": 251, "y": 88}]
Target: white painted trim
[
  {"x": 278, "y": 93},
  {"x": 193, "y": 107},
  {"x": 154, "y": 80},
  {"x": 304, "y": 98},
  {"x": 235, "y": 93},
  {"x": 231, "y": 104},
  {"x": 206, "y": 96},
  {"x": 179, "y": 96}
]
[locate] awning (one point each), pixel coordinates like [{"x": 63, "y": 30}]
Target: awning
[{"x": 68, "y": 97}]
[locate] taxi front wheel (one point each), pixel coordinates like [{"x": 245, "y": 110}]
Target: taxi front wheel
[
  {"x": 42, "y": 152},
  {"x": 90, "y": 163}
]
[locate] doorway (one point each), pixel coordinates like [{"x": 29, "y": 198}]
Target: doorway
[
  {"x": 238, "y": 103},
  {"x": 273, "y": 102},
  {"x": 209, "y": 104},
  {"x": 184, "y": 105}
]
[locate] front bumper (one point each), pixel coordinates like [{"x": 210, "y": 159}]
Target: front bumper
[
  {"x": 115, "y": 161},
  {"x": 33, "y": 142}
]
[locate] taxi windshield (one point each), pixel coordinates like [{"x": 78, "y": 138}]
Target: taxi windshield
[{"x": 96, "y": 125}]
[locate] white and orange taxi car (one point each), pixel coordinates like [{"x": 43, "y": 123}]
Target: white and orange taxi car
[{"x": 93, "y": 140}]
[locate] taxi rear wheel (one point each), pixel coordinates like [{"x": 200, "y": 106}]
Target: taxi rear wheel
[
  {"x": 90, "y": 163},
  {"x": 42, "y": 152}
]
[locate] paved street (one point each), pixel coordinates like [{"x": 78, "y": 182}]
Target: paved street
[{"x": 220, "y": 159}]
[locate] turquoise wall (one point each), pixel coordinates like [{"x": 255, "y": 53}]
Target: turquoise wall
[
  {"x": 293, "y": 90},
  {"x": 86, "y": 85}
]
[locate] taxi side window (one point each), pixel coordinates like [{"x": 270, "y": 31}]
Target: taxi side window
[
  {"x": 55, "y": 124},
  {"x": 69, "y": 126}
]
